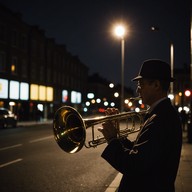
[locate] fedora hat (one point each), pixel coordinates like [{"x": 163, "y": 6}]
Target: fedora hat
[{"x": 155, "y": 69}]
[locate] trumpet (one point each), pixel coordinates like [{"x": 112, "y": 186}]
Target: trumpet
[{"x": 69, "y": 128}]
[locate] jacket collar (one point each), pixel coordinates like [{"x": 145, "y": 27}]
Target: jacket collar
[{"x": 152, "y": 107}]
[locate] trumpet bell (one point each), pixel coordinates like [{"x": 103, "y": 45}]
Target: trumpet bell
[{"x": 69, "y": 129}]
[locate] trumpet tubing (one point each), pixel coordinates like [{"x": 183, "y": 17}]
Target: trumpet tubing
[{"x": 69, "y": 128}]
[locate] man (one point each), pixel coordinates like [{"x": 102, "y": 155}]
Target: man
[{"x": 150, "y": 163}]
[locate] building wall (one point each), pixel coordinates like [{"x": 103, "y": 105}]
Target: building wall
[{"x": 28, "y": 56}]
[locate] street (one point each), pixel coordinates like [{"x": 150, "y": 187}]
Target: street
[{"x": 31, "y": 161}]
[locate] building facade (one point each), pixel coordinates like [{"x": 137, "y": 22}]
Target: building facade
[{"x": 37, "y": 75}]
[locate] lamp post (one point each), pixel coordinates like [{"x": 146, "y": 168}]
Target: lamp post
[
  {"x": 172, "y": 63},
  {"x": 120, "y": 33},
  {"x": 171, "y": 56}
]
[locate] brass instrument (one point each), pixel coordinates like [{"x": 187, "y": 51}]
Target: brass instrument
[{"x": 70, "y": 128}]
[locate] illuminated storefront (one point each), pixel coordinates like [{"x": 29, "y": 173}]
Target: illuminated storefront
[
  {"x": 23, "y": 99},
  {"x": 3, "y": 89}
]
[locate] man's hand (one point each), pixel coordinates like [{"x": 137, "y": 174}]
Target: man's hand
[{"x": 110, "y": 129}]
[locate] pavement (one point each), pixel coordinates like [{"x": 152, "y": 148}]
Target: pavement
[
  {"x": 183, "y": 181},
  {"x": 184, "y": 176}
]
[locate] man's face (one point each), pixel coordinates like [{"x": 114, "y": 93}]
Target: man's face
[{"x": 145, "y": 89}]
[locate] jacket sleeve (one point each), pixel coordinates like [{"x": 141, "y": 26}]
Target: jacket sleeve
[
  {"x": 150, "y": 153},
  {"x": 131, "y": 160},
  {"x": 117, "y": 154}
]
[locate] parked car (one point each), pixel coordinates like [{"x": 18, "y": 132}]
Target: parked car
[{"x": 7, "y": 118}]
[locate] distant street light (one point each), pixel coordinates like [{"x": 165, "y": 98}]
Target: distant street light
[
  {"x": 120, "y": 32},
  {"x": 111, "y": 85},
  {"x": 153, "y": 28}
]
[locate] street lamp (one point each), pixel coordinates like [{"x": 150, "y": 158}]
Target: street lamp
[
  {"x": 120, "y": 31},
  {"x": 171, "y": 55}
]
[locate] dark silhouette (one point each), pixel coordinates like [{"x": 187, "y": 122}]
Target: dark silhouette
[{"x": 150, "y": 163}]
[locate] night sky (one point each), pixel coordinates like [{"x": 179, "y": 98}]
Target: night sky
[{"x": 85, "y": 27}]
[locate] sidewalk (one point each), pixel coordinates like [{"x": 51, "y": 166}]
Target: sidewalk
[
  {"x": 183, "y": 181},
  {"x": 184, "y": 176}
]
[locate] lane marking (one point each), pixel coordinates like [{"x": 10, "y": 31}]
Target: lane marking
[
  {"x": 10, "y": 147},
  {"x": 10, "y": 162},
  {"x": 41, "y": 139}
]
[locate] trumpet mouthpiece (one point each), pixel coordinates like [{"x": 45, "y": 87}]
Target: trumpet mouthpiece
[{"x": 135, "y": 98}]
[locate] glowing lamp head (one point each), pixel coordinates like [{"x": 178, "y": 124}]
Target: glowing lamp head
[{"x": 119, "y": 31}]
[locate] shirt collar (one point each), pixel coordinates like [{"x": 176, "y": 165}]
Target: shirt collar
[{"x": 155, "y": 104}]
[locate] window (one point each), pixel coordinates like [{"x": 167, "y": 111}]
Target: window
[
  {"x": 41, "y": 73},
  {"x": 14, "y": 38},
  {"x": 24, "y": 68},
  {"x": 33, "y": 72},
  {"x": 24, "y": 42},
  {"x": 14, "y": 65},
  {"x": 2, "y": 61},
  {"x": 2, "y": 32}
]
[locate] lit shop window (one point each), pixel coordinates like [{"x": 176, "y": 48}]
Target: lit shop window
[
  {"x": 34, "y": 92},
  {"x": 49, "y": 91},
  {"x": 24, "y": 91},
  {"x": 3, "y": 88},
  {"x": 14, "y": 90},
  {"x": 42, "y": 93},
  {"x": 75, "y": 97},
  {"x": 64, "y": 96}
]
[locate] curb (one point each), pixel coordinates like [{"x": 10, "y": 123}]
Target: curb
[{"x": 115, "y": 184}]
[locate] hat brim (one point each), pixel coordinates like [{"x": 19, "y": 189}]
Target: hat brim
[
  {"x": 137, "y": 78},
  {"x": 141, "y": 77}
]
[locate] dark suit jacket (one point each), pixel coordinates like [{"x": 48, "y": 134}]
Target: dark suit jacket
[{"x": 151, "y": 163}]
